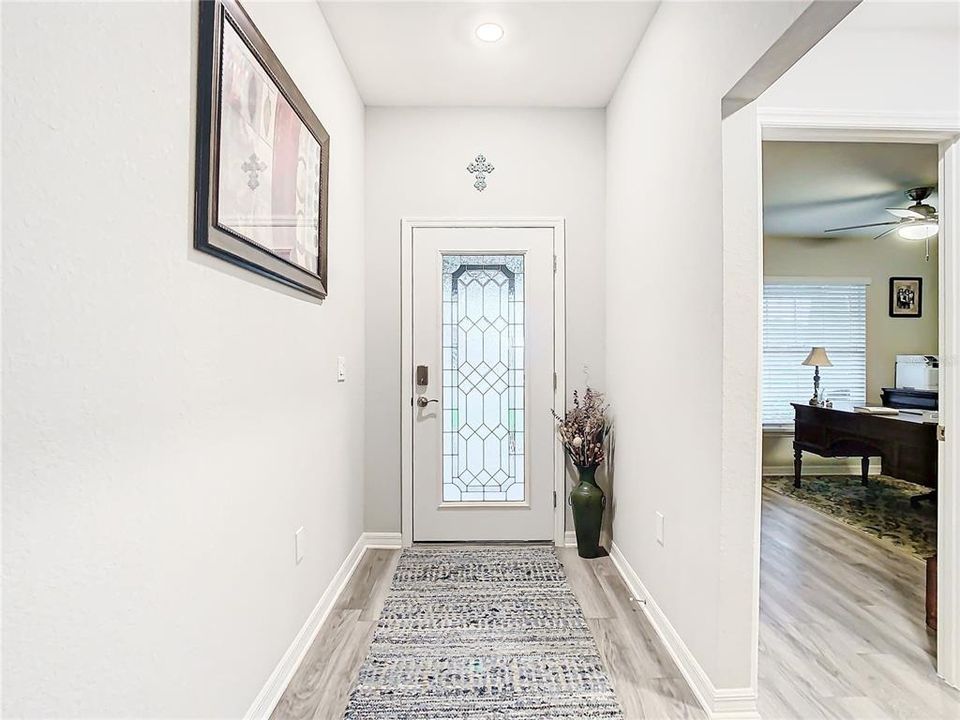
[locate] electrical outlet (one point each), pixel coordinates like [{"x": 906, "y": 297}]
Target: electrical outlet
[
  {"x": 341, "y": 369},
  {"x": 298, "y": 544},
  {"x": 660, "y": 527}
]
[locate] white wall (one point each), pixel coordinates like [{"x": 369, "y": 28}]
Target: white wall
[
  {"x": 548, "y": 163},
  {"x": 169, "y": 421},
  {"x": 664, "y": 323}
]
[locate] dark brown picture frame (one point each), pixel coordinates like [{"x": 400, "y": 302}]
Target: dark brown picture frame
[
  {"x": 893, "y": 297},
  {"x": 209, "y": 235}
]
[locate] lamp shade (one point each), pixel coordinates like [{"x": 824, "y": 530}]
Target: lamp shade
[{"x": 818, "y": 357}]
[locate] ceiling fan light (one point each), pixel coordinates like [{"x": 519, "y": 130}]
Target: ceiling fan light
[{"x": 918, "y": 231}]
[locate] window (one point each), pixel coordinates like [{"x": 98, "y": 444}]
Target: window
[{"x": 799, "y": 314}]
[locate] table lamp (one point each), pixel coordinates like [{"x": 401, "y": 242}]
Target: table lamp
[{"x": 817, "y": 358}]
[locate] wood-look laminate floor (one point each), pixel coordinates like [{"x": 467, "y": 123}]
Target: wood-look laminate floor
[
  {"x": 647, "y": 682},
  {"x": 842, "y": 631}
]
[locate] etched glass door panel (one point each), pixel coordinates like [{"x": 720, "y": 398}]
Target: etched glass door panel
[{"x": 483, "y": 384}]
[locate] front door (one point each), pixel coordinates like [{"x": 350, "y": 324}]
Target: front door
[{"x": 483, "y": 359}]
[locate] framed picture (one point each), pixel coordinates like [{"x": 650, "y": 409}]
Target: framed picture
[
  {"x": 906, "y": 297},
  {"x": 263, "y": 157}
]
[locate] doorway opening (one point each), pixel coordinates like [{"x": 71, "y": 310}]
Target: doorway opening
[{"x": 853, "y": 318}]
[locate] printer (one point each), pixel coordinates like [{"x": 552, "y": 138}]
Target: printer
[
  {"x": 917, "y": 381},
  {"x": 917, "y": 372}
]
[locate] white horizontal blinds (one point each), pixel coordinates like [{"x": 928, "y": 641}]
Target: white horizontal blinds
[{"x": 804, "y": 314}]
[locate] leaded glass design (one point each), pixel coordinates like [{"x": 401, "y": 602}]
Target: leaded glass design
[{"x": 483, "y": 383}]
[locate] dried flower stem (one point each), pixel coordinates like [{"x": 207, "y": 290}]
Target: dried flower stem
[{"x": 584, "y": 428}]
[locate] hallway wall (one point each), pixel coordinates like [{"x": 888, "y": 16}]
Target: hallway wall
[
  {"x": 548, "y": 163},
  {"x": 169, "y": 420},
  {"x": 664, "y": 330},
  {"x": 683, "y": 443}
]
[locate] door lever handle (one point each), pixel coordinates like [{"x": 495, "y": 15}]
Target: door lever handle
[{"x": 423, "y": 402}]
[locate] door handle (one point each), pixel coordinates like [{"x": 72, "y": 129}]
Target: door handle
[{"x": 423, "y": 402}]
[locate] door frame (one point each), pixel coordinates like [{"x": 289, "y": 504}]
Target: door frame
[
  {"x": 743, "y": 265},
  {"x": 408, "y": 227}
]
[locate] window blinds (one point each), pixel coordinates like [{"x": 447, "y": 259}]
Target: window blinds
[{"x": 799, "y": 315}]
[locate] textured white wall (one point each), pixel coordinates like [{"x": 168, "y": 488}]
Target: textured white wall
[
  {"x": 664, "y": 320},
  {"x": 169, "y": 421},
  {"x": 548, "y": 163},
  {"x": 693, "y": 457}
]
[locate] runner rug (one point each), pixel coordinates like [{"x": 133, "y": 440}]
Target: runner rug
[{"x": 481, "y": 632}]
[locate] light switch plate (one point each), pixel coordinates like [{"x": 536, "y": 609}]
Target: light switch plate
[
  {"x": 660, "y": 527},
  {"x": 298, "y": 544},
  {"x": 341, "y": 369}
]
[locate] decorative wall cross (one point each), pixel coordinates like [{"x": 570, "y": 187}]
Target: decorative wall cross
[
  {"x": 253, "y": 167},
  {"x": 480, "y": 168}
]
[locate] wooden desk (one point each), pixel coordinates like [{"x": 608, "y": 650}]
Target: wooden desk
[{"x": 905, "y": 444}]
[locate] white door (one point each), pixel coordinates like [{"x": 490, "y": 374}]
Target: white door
[{"x": 483, "y": 356}]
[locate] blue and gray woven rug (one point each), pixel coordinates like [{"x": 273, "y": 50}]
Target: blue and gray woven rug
[{"x": 481, "y": 632}]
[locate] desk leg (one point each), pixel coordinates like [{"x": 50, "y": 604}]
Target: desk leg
[
  {"x": 797, "y": 462},
  {"x": 864, "y": 469}
]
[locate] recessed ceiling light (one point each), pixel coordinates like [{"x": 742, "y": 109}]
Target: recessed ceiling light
[{"x": 490, "y": 32}]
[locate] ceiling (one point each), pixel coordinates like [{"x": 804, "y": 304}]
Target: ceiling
[
  {"x": 552, "y": 54},
  {"x": 811, "y": 186},
  {"x": 936, "y": 16}
]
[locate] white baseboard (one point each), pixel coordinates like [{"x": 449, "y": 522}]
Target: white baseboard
[
  {"x": 273, "y": 690},
  {"x": 719, "y": 703},
  {"x": 570, "y": 538},
  {"x": 386, "y": 540}
]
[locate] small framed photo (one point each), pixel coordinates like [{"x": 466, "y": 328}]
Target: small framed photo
[
  {"x": 906, "y": 297},
  {"x": 263, "y": 157}
]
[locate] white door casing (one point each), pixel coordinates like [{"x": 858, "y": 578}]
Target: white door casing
[
  {"x": 743, "y": 328},
  {"x": 448, "y": 446}
]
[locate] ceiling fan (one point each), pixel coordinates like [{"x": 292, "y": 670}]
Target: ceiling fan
[{"x": 917, "y": 222}]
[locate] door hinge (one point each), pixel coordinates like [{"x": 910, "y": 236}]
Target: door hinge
[
  {"x": 554, "y": 264},
  {"x": 941, "y": 433},
  {"x": 554, "y": 381},
  {"x": 554, "y": 498}
]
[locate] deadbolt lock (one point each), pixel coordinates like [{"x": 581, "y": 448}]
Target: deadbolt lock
[{"x": 423, "y": 375}]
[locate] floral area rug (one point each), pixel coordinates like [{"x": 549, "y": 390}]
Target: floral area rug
[{"x": 881, "y": 508}]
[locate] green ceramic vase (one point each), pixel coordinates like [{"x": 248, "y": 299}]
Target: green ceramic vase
[{"x": 587, "y": 501}]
